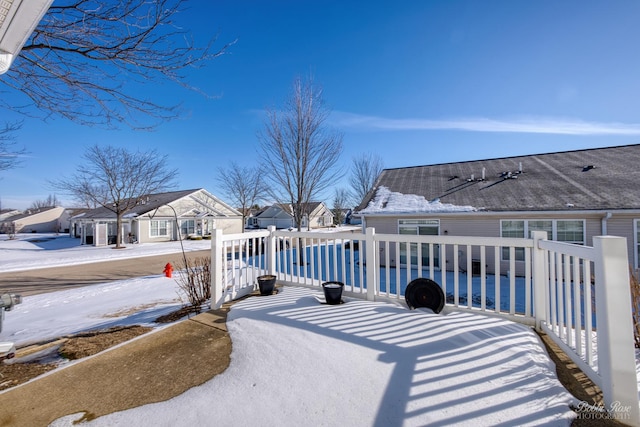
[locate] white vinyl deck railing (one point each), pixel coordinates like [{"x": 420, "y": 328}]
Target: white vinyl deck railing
[{"x": 578, "y": 295}]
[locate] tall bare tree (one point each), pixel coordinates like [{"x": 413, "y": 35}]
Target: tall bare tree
[
  {"x": 300, "y": 152},
  {"x": 10, "y": 154},
  {"x": 85, "y": 59},
  {"x": 118, "y": 179},
  {"x": 244, "y": 186},
  {"x": 364, "y": 172}
]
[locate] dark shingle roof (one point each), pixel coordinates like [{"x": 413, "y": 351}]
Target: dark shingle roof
[
  {"x": 601, "y": 178},
  {"x": 28, "y": 213},
  {"x": 149, "y": 204}
]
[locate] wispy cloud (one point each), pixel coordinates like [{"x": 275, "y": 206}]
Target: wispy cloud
[{"x": 481, "y": 124}]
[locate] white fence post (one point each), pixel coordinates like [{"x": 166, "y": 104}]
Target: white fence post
[
  {"x": 370, "y": 259},
  {"x": 539, "y": 280},
  {"x": 271, "y": 250},
  {"x": 217, "y": 279},
  {"x": 616, "y": 353}
]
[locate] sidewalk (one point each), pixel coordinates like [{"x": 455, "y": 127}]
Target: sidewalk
[{"x": 154, "y": 367}]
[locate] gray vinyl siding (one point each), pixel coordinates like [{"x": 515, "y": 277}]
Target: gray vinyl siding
[{"x": 620, "y": 224}]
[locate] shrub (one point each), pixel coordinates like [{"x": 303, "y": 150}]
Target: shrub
[{"x": 195, "y": 280}]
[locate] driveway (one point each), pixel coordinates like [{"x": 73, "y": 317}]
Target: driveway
[{"x": 32, "y": 282}]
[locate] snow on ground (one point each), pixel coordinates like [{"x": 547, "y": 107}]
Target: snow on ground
[
  {"x": 47, "y": 316},
  {"x": 298, "y": 362}
]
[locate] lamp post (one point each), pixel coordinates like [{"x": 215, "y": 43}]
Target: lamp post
[{"x": 18, "y": 19}]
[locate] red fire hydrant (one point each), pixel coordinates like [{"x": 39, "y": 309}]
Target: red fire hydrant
[{"x": 168, "y": 269}]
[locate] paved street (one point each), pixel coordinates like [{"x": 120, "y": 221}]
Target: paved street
[{"x": 31, "y": 282}]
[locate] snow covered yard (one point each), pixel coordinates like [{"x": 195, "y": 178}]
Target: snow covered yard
[{"x": 298, "y": 362}]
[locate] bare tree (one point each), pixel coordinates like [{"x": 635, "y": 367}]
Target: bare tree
[
  {"x": 244, "y": 186},
  {"x": 10, "y": 154},
  {"x": 341, "y": 198},
  {"x": 118, "y": 179},
  {"x": 364, "y": 172},
  {"x": 50, "y": 202},
  {"x": 85, "y": 58},
  {"x": 299, "y": 151}
]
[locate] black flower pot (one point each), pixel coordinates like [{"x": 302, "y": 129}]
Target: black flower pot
[
  {"x": 333, "y": 292},
  {"x": 267, "y": 284}
]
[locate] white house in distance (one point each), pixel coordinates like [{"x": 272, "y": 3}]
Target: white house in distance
[
  {"x": 571, "y": 195},
  {"x": 159, "y": 218},
  {"x": 281, "y": 215},
  {"x": 43, "y": 220}
]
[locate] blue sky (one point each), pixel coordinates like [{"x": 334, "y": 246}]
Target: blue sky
[{"x": 416, "y": 82}]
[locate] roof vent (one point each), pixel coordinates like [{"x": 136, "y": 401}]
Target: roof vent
[{"x": 587, "y": 168}]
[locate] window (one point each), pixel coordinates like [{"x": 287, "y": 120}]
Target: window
[
  {"x": 187, "y": 227},
  {"x": 159, "y": 228},
  {"x": 569, "y": 231},
  {"x": 420, "y": 227}
]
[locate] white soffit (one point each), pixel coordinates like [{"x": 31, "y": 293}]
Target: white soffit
[{"x": 18, "y": 19}]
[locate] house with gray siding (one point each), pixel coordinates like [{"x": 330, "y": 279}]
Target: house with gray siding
[
  {"x": 572, "y": 196},
  {"x": 159, "y": 218},
  {"x": 316, "y": 215}
]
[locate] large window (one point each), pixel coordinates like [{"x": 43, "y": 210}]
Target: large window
[
  {"x": 420, "y": 227},
  {"x": 159, "y": 228},
  {"x": 569, "y": 231}
]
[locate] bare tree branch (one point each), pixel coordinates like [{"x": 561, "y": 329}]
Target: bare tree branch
[
  {"x": 364, "y": 172},
  {"x": 118, "y": 179},
  {"x": 300, "y": 153},
  {"x": 243, "y": 186},
  {"x": 50, "y": 202},
  {"x": 85, "y": 58},
  {"x": 10, "y": 155}
]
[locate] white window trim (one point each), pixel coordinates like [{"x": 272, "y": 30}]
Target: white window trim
[
  {"x": 160, "y": 235},
  {"x": 554, "y": 228}
]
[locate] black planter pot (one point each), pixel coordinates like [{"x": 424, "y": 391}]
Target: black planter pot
[
  {"x": 333, "y": 292},
  {"x": 266, "y": 284}
]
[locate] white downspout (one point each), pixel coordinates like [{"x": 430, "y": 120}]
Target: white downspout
[{"x": 604, "y": 223}]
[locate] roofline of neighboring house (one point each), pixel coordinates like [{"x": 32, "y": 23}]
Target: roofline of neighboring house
[
  {"x": 509, "y": 157},
  {"x": 566, "y": 212}
]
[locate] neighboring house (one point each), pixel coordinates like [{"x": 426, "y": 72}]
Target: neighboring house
[
  {"x": 572, "y": 195},
  {"x": 351, "y": 219},
  {"x": 159, "y": 218},
  {"x": 281, "y": 215},
  {"x": 43, "y": 220},
  {"x": 251, "y": 220},
  {"x": 6, "y": 213}
]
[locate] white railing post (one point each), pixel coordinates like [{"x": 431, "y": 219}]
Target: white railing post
[
  {"x": 217, "y": 279},
  {"x": 539, "y": 281},
  {"x": 271, "y": 250},
  {"x": 616, "y": 353},
  {"x": 370, "y": 260}
]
